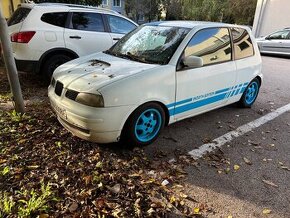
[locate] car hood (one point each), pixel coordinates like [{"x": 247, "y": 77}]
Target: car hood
[{"x": 92, "y": 72}]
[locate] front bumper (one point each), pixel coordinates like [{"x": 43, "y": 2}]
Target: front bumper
[{"x": 101, "y": 125}]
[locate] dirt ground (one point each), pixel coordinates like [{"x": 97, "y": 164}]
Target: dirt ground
[{"x": 46, "y": 171}]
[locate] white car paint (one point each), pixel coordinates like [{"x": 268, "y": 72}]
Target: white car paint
[
  {"x": 50, "y": 38},
  {"x": 126, "y": 84}
]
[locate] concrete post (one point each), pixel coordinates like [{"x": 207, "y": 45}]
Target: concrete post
[{"x": 10, "y": 65}]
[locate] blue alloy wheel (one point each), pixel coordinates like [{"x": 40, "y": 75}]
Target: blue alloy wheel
[
  {"x": 251, "y": 92},
  {"x": 148, "y": 125},
  {"x": 143, "y": 125}
]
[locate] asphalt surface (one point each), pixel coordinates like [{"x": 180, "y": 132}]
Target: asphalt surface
[{"x": 261, "y": 183}]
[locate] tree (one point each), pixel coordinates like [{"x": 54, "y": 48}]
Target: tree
[
  {"x": 230, "y": 11},
  {"x": 149, "y": 8},
  {"x": 80, "y": 2},
  {"x": 242, "y": 11}
]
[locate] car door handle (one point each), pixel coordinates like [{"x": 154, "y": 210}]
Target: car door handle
[
  {"x": 116, "y": 39},
  {"x": 75, "y": 37}
]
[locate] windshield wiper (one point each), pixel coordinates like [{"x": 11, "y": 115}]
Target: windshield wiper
[{"x": 129, "y": 56}]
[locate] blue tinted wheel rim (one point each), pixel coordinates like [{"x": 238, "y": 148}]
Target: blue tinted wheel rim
[
  {"x": 251, "y": 92},
  {"x": 148, "y": 125}
]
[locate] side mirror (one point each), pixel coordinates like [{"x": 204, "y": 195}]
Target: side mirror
[
  {"x": 193, "y": 61},
  {"x": 268, "y": 38}
]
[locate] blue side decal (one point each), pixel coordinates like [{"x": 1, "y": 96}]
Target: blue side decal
[
  {"x": 202, "y": 100},
  {"x": 179, "y": 102},
  {"x": 197, "y": 104}
]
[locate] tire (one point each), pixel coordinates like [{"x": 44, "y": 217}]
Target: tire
[
  {"x": 51, "y": 64},
  {"x": 144, "y": 125},
  {"x": 250, "y": 94}
]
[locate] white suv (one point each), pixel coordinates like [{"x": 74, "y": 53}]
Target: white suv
[{"x": 47, "y": 35}]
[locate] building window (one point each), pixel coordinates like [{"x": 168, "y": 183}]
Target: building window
[
  {"x": 104, "y": 2},
  {"x": 117, "y": 3}
]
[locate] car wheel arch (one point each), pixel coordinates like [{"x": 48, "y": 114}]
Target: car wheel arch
[
  {"x": 163, "y": 106},
  {"x": 48, "y": 54},
  {"x": 260, "y": 80}
]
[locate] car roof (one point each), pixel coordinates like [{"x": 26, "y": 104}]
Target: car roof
[
  {"x": 193, "y": 24},
  {"x": 66, "y": 7}
]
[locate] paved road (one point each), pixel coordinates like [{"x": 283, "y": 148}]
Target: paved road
[{"x": 251, "y": 189}]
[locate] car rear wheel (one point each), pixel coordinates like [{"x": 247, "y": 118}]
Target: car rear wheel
[
  {"x": 250, "y": 94},
  {"x": 52, "y": 63},
  {"x": 144, "y": 125}
]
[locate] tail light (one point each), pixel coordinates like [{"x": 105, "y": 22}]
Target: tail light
[{"x": 22, "y": 37}]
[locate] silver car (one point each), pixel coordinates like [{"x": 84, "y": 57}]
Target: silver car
[{"x": 275, "y": 43}]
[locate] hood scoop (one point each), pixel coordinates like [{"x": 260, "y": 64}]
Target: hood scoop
[{"x": 99, "y": 63}]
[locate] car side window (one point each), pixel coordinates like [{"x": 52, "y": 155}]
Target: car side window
[
  {"x": 243, "y": 45},
  {"x": 279, "y": 35},
  {"x": 120, "y": 25},
  {"x": 56, "y": 19},
  {"x": 212, "y": 45},
  {"x": 88, "y": 22}
]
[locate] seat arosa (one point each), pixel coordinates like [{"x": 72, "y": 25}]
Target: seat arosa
[{"x": 156, "y": 75}]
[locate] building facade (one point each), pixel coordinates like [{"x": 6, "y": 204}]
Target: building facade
[
  {"x": 9, "y": 6},
  {"x": 116, "y": 5},
  {"x": 271, "y": 15}
]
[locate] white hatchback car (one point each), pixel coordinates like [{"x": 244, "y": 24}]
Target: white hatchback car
[
  {"x": 47, "y": 35},
  {"x": 156, "y": 75}
]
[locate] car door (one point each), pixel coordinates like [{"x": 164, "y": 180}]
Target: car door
[
  {"x": 207, "y": 87},
  {"x": 86, "y": 33},
  {"x": 277, "y": 42},
  {"x": 119, "y": 26}
]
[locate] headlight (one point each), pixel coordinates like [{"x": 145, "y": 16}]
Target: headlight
[{"x": 93, "y": 100}]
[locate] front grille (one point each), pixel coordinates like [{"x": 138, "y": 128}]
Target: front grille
[
  {"x": 58, "y": 88},
  {"x": 71, "y": 94}
]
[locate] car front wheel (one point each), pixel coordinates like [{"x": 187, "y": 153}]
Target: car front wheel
[{"x": 144, "y": 125}]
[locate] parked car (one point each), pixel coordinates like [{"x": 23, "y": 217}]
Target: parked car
[
  {"x": 156, "y": 75},
  {"x": 275, "y": 43},
  {"x": 47, "y": 35}
]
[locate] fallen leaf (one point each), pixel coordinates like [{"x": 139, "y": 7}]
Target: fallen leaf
[
  {"x": 236, "y": 167},
  {"x": 44, "y": 215},
  {"x": 227, "y": 170},
  {"x": 2, "y": 161},
  {"x": 196, "y": 210},
  {"x": 33, "y": 167},
  {"x": 73, "y": 207},
  {"x": 267, "y": 211},
  {"x": 285, "y": 168},
  {"x": 165, "y": 182},
  {"x": 115, "y": 189},
  {"x": 247, "y": 161},
  {"x": 269, "y": 183}
]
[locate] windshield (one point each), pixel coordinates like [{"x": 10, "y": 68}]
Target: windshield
[{"x": 150, "y": 44}]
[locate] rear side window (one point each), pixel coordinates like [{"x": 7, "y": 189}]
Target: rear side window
[
  {"x": 243, "y": 45},
  {"x": 18, "y": 16},
  {"x": 88, "y": 22},
  {"x": 56, "y": 19},
  {"x": 212, "y": 45},
  {"x": 120, "y": 25}
]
